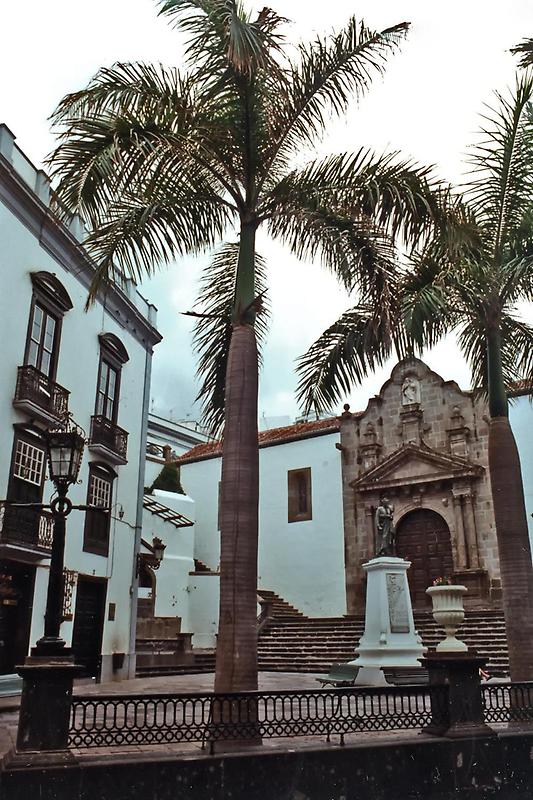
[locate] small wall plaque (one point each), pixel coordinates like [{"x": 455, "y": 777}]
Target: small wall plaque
[{"x": 397, "y": 597}]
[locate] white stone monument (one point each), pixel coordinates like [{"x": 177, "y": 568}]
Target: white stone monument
[{"x": 390, "y": 638}]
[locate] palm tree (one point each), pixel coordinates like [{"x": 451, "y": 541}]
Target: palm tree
[
  {"x": 163, "y": 162},
  {"x": 474, "y": 289}
]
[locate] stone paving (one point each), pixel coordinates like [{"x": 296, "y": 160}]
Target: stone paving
[{"x": 185, "y": 684}]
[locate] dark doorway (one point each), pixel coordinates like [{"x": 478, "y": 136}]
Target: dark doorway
[
  {"x": 89, "y": 624},
  {"x": 17, "y": 583},
  {"x": 423, "y": 538}
]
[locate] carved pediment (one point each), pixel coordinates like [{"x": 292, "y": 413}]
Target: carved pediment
[{"x": 415, "y": 464}]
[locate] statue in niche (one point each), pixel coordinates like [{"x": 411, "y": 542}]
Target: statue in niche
[
  {"x": 410, "y": 391},
  {"x": 384, "y": 529}
]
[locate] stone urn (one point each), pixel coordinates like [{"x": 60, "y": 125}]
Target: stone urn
[{"x": 448, "y": 613}]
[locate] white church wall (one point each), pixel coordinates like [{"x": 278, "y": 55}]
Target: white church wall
[
  {"x": 303, "y": 562},
  {"x": 172, "y": 596},
  {"x": 200, "y": 480},
  {"x": 521, "y": 419},
  {"x": 203, "y": 609}
]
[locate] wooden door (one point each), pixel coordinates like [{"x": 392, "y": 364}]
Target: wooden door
[
  {"x": 89, "y": 624},
  {"x": 423, "y": 538},
  {"x": 16, "y": 604}
]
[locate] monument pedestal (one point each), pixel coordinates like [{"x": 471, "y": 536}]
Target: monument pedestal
[{"x": 390, "y": 638}]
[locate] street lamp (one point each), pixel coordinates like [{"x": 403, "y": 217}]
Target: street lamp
[
  {"x": 155, "y": 557},
  {"x": 49, "y": 671},
  {"x": 64, "y": 449}
]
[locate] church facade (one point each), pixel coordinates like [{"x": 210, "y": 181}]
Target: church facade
[{"x": 421, "y": 444}]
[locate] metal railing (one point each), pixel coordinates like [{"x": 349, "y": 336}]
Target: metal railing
[
  {"x": 27, "y": 527},
  {"x": 111, "y": 720},
  {"x": 35, "y": 387},
  {"x": 507, "y": 702},
  {"x": 45, "y": 534},
  {"x": 109, "y": 435}
]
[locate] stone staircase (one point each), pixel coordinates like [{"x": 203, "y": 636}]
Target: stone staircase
[
  {"x": 289, "y": 644},
  {"x": 292, "y": 642},
  {"x": 279, "y": 608}
]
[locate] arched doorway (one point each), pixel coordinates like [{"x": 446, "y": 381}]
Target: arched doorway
[{"x": 423, "y": 538}]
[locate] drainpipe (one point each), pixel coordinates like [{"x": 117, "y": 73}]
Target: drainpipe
[{"x": 139, "y": 514}]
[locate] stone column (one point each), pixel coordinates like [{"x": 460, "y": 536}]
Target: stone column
[
  {"x": 460, "y": 532},
  {"x": 470, "y": 530}
]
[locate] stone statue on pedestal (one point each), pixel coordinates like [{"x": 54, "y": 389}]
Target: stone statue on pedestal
[{"x": 384, "y": 525}]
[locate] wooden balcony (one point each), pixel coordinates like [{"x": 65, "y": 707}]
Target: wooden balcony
[
  {"x": 108, "y": 440},
  {"x": 39, "y": 396},
  {"x": 26, "y": 531}
]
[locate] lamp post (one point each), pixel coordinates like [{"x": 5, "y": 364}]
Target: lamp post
[
  {"x": 64, "y": 449},
  {"x": 49, "y": 671}
]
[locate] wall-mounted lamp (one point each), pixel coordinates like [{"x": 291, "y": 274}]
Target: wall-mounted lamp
[{"x": 154, "y": 558}]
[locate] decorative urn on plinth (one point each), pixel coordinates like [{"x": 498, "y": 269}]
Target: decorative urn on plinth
[{"x": 448, "y": 613}]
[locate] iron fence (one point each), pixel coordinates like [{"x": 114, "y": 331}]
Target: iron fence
[
  {"x": 507, "y": 702},
  {"x": 103, "y": 721}
]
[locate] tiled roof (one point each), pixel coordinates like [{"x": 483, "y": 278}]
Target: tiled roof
[{"x": 300, "y": 430}]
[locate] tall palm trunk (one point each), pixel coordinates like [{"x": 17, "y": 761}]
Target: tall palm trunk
[
  {"x": 511, "y": 521},
  {"x": 236, "y": 661}
]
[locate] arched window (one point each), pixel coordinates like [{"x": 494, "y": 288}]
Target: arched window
[
  {"x": 113, "y": 355},
  {"x": 50, "y": 302}
]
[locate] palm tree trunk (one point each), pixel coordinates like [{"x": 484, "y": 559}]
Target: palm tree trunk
[
  {"x": 511, "y": 522},
  {"x": 236, "y": 661}
]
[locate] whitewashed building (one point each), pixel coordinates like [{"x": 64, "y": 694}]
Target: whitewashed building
[
  {"x": 95, "y": 365},
  {"x": 301, "y": 531}
]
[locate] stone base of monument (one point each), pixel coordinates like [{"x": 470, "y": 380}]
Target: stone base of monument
[{"x": 390, "y": 638}]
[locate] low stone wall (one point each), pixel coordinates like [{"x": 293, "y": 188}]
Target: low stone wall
[{"x": 419, "y": 769}]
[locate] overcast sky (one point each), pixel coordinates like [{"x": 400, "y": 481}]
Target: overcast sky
[{"x": 427, "y": 106}]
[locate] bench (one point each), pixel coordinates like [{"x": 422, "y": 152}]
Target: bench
[
  {"x": 339, "y": 675},
  {"x": 406, "y": 676}
]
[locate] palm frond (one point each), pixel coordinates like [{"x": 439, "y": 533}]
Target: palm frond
[
  {"x": 360, "y": 255},
  {"x": 501, "y": 185},
  {"x": 221, "y": 34},
  {"x": 151, "y": 92},
  {"x": 358, "y": 342},
  {"x": 398, "y": 195},
  {"x": 324, "y": 80},
  {"x": 524, "y": 49},
  {"x": 212, "y": 331},
  {"x": 516, "y": 351},
  {"x": 140, "y": 234},
  {"x": 428, "y": 301}
]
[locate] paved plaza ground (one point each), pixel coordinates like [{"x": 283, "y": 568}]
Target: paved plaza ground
[{"x": 184, "y": 684}]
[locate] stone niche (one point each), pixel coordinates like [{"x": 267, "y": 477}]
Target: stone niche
[{"x": 423, "y": 444}]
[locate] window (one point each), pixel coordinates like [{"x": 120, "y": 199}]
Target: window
[
  {"x": 107, "y": 394},
  {"x": 28, "y": 462},
  {"x": 27, "y": 467},
  {"x": 97, "y": 523},
  {"x": 42, "y": 345},
  {"x": 113, "y": 355},
  {"x": 299, "y": 495},
  {"x": 50, "y": 303}
]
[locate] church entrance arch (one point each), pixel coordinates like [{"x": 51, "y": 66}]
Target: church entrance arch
[{"x": 423, "y": 538}]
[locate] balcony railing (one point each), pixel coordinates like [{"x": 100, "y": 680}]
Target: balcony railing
[
  {"x": 108, "y": 439},
  {"x": 39, "y": 395},
  {"x": 26, "y": 527}
]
